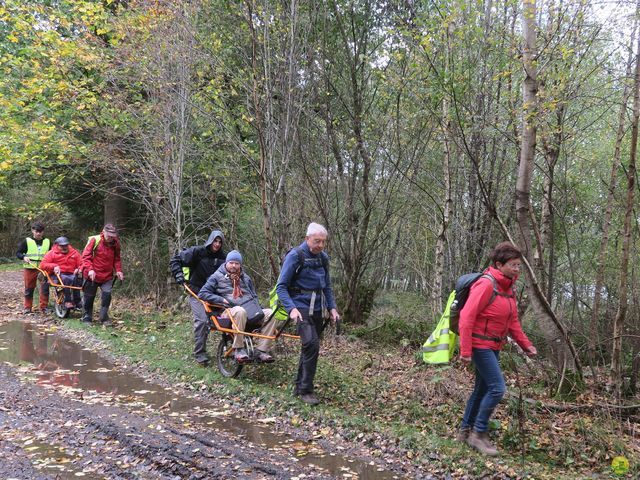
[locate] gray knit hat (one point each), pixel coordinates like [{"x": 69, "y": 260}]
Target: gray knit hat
[{"x": 234, "y": 256}]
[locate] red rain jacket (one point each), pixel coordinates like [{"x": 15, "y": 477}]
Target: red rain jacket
[
  {"x": 496, "y": 320},
  {"x": 104, "y": 260},
  {"x": 68, "y": 262}
]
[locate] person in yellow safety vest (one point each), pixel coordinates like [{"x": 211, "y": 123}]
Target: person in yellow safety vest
[
  {"x": 440, "y": 346},
  {"x": 30, "y": 251}
]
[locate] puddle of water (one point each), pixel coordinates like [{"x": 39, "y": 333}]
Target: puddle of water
[
  {"x": 60, "y": 362},
  {"x": 55, "y": 461}
]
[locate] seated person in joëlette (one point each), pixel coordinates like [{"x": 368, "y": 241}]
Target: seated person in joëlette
[
  {"x": 64, "y": 260},
  {"x": 232, "y": 287}
]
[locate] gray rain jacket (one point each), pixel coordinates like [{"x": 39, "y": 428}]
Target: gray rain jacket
[{"x": 219, "y": 287}]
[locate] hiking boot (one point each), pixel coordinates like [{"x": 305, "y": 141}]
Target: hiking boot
[
  {"x": 27, "y": 311},
  {"x": 462, "y": 434},
  {"x": 86, "y": 319},
  {"x": 203, "y": 360},
  {"x": 309, "y": 399},
  {"x": 103, "y": 316},
  {"x": 263, "y": 357},
  {"x": 480, "y": 441},
  {"x": 241, "y": 355}
]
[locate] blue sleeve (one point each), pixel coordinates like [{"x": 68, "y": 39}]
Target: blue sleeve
[
  {"x": 328, "y": 291},
  {"x": 285, "y": 278},
  {"x": 207, "y": 293}
]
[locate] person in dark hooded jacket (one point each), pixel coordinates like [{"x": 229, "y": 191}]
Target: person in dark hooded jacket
[{"x": 202, "y": 261}]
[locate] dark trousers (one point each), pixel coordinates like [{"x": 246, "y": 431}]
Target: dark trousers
[
  {"x": 90, "y": 290},
  {"x": 71, "y": 279},
  {"x": 201, "y": 328},
  {"x": 309, "y": 329}
]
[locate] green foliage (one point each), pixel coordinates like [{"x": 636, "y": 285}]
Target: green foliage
[{"x": 398, "y": 318}]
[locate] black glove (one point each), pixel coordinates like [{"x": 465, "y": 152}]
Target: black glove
[{"x": 180, "y": 279}]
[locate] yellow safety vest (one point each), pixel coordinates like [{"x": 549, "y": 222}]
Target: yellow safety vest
[
  {"x": 35, "y": 252},
  {"x": 441, "y": 344},
  {"x": 97, "y": 238}
]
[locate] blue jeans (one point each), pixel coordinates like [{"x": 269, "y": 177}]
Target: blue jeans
[{"x": 487, "y": 392}]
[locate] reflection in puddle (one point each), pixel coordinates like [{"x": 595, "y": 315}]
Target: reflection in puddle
[{"x": 59, "y": 362}]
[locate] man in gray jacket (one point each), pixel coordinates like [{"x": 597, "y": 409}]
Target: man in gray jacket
[
  {"x": 201, "y": 261},
  {"x": 231, "y": 287}
]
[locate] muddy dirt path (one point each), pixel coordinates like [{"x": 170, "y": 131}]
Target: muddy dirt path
[{"x": 66, "y": 413}]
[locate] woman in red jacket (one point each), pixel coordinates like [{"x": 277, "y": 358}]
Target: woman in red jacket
[{"x": 488, "y": 317}]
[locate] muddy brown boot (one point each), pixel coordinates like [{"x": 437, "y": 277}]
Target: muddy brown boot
[
  {"x": 309, "y": 399},
  {"x": 462, "y": 434},
  {"x": 480, "y": 441}
]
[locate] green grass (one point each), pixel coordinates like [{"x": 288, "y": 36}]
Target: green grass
[
  {"x": 370, "y": 394},
  {"x": 9, "y": 265}
]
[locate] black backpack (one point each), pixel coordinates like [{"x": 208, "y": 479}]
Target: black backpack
[{"x": 462, "y": 288}]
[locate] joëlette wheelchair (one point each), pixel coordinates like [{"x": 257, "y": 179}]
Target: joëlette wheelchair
[
  {"x": 59, "y": 307},
  {"x": 226, "y": 325}
]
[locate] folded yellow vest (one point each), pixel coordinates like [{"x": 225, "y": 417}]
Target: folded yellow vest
[{"x": 441, "y": 344}]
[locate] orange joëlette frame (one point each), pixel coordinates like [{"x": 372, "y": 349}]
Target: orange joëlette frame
[
  {"x": 208, "y": 308},
  {"x": 55, "y": 285}
]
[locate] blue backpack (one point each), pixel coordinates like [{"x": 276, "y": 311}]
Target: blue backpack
[{"x": 279, "y": 313}]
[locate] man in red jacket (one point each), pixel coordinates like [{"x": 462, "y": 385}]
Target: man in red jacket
[
  {"x": 100, "y": 259},
  {"x": 64, "y": 260}
]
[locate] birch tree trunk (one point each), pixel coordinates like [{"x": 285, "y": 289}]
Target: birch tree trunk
[
  {"x": 260, "y": 127},
  {"x": 564, "y": 354},
  {"x": 608, "y": 214},
  {"x": 447, "y": 210},
  {"x": 618, "y": 325}
]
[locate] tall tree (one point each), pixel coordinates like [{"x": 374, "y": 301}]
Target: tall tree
[
  {"x": 564, "y": 353},
  {"x": 611, "y": 189},
  {"x": 623, "y": 288}
]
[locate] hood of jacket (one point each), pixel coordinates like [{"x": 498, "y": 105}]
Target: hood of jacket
[
  {"x": 505, "y": 283},
  {"x": 212, "y": 237}
]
